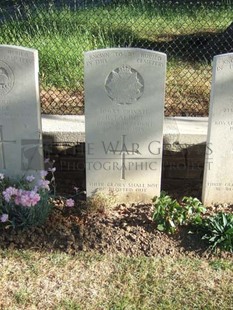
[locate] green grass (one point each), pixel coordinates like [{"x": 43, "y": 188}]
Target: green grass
[
  {"x": 89, "y": 281},
  {"x": 63, "y": 35}
]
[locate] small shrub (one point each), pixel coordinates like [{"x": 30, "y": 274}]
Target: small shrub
[
  {"x": 169, "y": 214},
  {"x": 218, "y": 231}
]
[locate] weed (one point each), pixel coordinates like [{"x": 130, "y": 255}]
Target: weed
[
  {"x": 169, "y": 214},
  {"x": 218, "y": 231},
  {"x": 221, "y": 264},
  {"x": 100, "y": 202},
  {"x": 21, "y": 297},
  {"x": 193, "y": 210},
  {"x": 68, "y": 304}
]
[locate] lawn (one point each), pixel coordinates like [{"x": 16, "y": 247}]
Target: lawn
[
  {"x": 37, "y": 280},
  {"x": 189, "y": 35},
  {"x": 112, "y": 259}
]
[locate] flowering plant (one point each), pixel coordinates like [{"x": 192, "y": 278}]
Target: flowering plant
[{"x": 27, "y": 201}]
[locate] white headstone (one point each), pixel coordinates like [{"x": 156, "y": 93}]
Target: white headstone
[
  {"x": 124, "y": 110},
  {"x": 20, "y": 121},
  {"x": 218, "y": 176}
]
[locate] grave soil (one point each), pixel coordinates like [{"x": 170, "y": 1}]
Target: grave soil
[{"x": 124, "y": 229}]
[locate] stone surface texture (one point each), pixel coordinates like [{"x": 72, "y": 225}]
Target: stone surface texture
[
  {"x": 20, "y": 121},
  {"x": 218, "y": 177},
  {"x": 124, "y": 108}
]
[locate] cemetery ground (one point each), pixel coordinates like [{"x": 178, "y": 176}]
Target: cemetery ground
[
  {"x": 111, "y": 258},
  {"x": 103, "y": 257}
]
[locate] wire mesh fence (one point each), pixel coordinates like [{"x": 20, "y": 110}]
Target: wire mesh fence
[{"x": 190, "y": 33}]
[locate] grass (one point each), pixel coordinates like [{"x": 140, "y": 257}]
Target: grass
[
  {"x": 34, "y": 280},
  {"x": 62, "y": 35}
]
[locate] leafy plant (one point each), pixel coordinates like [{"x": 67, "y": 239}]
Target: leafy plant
[
  {"x": 194, "y": 210},
  {"x": 169, "y": 214},
  {"x": 219, "y": 231}
]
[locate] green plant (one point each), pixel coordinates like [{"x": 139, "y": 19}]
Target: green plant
[
  {"x": 221, "y": 264},
  {"x": 169, "y": 214},
  {"x": 193, "y": 210},
  {"x": 218, "y": 231},
  {"x": 62, "y": 35}
]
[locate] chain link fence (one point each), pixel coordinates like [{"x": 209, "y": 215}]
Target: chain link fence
[{"x": 189, "y": 32}]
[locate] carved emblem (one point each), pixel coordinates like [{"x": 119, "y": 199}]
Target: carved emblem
[
  {"x": 6, "y": 78},
  {"x": 124, "y": 85}
]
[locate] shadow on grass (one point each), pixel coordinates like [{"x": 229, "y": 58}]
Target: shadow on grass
[{"x": 195, "y": 47}]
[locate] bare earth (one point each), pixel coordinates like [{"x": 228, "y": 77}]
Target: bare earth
[{"x": 128, "y": 230}]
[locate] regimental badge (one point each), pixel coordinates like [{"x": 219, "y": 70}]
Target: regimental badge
[
  {"x": 6, "y": 78},
  {"x": 124, "y": 85}
]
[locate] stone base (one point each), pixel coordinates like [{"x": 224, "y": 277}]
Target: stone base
[{"x": 183, "y": 150}]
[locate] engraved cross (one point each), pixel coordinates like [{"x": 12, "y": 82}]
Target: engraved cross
[
  {"x": 2, "y": 153},
  {"x": 124, "y": 150}
]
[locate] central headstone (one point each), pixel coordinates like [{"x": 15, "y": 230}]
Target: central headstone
[
  {"x": 218, "y": 176},
  {"x": 20, "y": 120},
  {"x": 124, "y": 108}
]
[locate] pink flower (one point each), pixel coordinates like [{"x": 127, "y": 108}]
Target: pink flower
[
  {"x": 43, "y": 184},
  {"x": 27, "y": 198},
  {"x": 43, "y": 173},
  {"x": 9, "y": 192},
  {"x": 24, "y": 199},
  {"x": 4, "y": 218},
  {"x": 30, "y": 178},
  {"x": 69, "y": 203},
  {"x": 35, "y": 198},
  {"x": 46, "y": 161}
]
